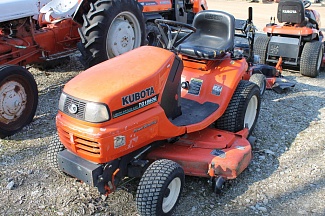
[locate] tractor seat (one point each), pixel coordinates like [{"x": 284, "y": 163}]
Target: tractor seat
[
  {"x": 213, "y": 38},
  {"x": 291, "y": 11}
]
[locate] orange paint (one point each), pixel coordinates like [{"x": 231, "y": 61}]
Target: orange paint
[{"x": 112, "y": 81}]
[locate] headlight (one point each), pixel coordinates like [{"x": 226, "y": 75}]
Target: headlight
[
  {"x": 63, "y": 97},
  {"x": 96, "y": 112},
  {"x": 83, "y": 110}
]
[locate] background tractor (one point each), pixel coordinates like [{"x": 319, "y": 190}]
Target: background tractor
[
  {"x": 40, "y": 31},
  {"x": 112, "y": 27},
  {"x": 29, "y": 34}
]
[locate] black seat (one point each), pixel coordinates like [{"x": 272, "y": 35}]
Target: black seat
[
  {"x": 213, "y": 38},
  {"x": 291, "y": 11}
]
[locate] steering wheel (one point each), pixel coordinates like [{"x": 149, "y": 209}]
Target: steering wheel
[
  {"x": 306, "y": 3},
  {"x": 172, "y": 37}
]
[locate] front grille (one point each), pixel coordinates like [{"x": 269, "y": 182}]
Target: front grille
[
  {"x": 81, "y": 106},
  {"x": 86, "y": 146},
  {"x": 80, "y": 145}
]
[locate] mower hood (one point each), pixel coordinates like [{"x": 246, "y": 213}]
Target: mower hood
[{"x": 125, "y": 79}]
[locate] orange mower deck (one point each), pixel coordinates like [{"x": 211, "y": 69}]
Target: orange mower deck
[{"x": 208, "y": 153}]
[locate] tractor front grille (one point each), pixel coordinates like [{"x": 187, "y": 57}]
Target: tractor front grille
[{"x": 79, "y": 144}]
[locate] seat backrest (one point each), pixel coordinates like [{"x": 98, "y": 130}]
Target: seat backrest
[
  {"x": 214, "y": 36},
  {"x": 291, "y": 11},
  {"x": 216, "y": 24}
]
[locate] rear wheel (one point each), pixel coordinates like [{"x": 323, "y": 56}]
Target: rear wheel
[
  {"x": 311, "y": 58},
  {"x": 260, "y": 47},
  {"x": 111, "y": 29},
  {"x": 160, "y": 188},
  {"x": 18, "y": 99},
  {"x": 242, "y": 110}
]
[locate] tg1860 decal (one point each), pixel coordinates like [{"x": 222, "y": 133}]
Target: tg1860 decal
[{"x": 134, "y": 107}]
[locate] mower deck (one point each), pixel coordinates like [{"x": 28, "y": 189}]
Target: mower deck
[{"x": 208, "y": 153}]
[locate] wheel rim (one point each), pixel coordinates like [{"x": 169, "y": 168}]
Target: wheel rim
[
  {"x": 124, "y": 34},
  {"x": 13, "y": 99},
  {"x": 171, "y": 196},
  {"x": 251, "y": 112}
]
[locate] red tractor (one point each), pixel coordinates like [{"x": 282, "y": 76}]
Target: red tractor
[
  {"x": 112, "y": 27},
  {"x": 36, "y": 31},
  {"x": 27, "y": 38}
]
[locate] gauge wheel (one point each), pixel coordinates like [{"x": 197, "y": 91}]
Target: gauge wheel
[{"x": 260, "y": 81}]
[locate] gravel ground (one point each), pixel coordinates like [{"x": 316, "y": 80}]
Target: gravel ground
[{"x": 285, "y": 177}]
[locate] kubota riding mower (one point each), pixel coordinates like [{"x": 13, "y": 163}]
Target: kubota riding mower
[
  {"x": 160, "y": 114},
  {"x": 299, "y": 41}
]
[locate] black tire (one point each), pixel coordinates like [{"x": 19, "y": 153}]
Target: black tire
[
  {"x": 18, "y": 99},
  {"x": 160, "y": 188},
  {"x": 244, "y": 108},
  {"x": 152, "y": 34},
  {"x": 260, "y": 81},
  {"x": 311, "y": 58},
  {"x": 124, "y": 18},
  {"x": 260, "y": 47},
  {"x": 53, "y": 149}
]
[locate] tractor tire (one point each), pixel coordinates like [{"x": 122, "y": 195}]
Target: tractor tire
[
  {"x": 152, "y": 34},
  {"x": 18, "y": 99},
  {"x": 111, "y": 28},
  {"x": 260, "y": 47},
  {"x": 53, "y": 149},
  {"x": 244, "y": 108},
  {"x": 311, "y": 58},
  {"x": 260, "y": 81},
  {"x": 160, "y": 188}
]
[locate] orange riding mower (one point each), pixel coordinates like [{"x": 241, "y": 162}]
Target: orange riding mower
[
  {"x": 265, "y": 76},
  {"x": 297, "y": 41},
  {"x": 161, "y": 113}
]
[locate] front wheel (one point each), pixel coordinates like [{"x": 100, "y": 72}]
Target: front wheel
[
  {"x": 160, "y": 188},
  {"x": 54, "y": 148},
  {"x": 18, "y": 99},
  {"x": 243, "y": 109}
]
